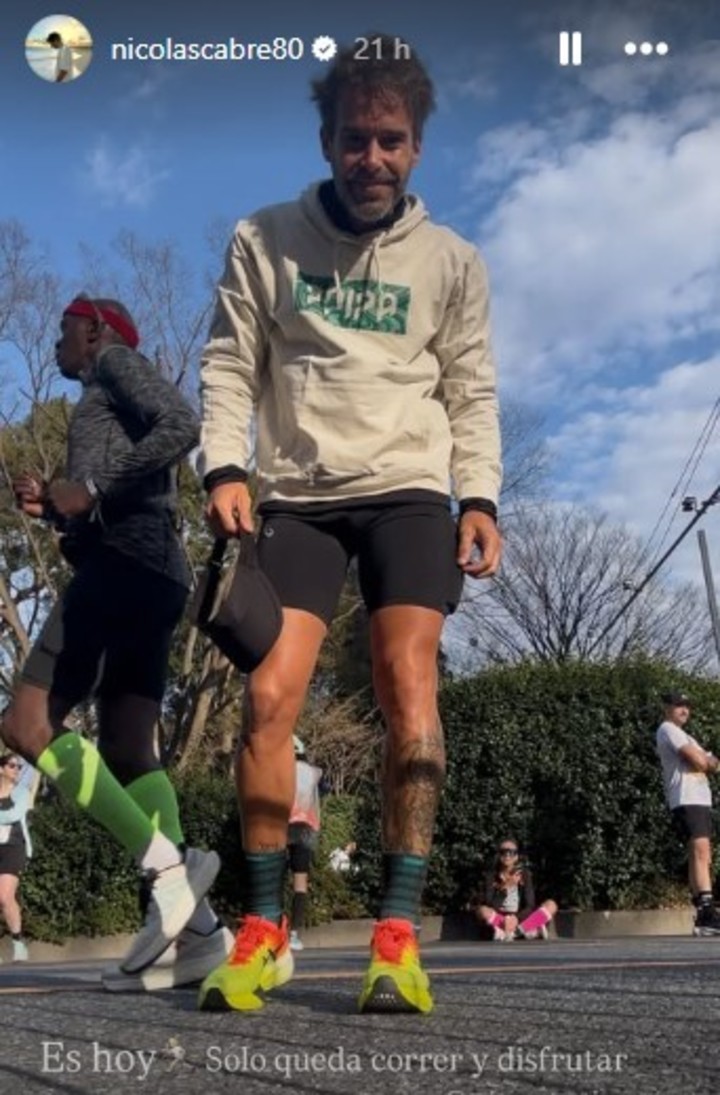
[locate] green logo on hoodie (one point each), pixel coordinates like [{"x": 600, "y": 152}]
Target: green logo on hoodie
[{"x": 364, "y": 305}]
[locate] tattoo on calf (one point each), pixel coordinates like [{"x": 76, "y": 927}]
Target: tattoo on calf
[{"x": 413, "y": 782}]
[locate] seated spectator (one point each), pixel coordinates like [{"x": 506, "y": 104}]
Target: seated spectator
[{"x": 507, "y": 902}]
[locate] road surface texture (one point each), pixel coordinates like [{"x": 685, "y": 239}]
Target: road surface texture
[{"x": 636, "y": 1016}]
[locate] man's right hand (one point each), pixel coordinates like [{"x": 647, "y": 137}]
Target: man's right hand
[
  {"x": 30, "y": 494},
  {"x": 229, "y": 509}
]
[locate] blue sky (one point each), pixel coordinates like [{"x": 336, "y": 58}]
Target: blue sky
[{"x": 592, "y": 191}]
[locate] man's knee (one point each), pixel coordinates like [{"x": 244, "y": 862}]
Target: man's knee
[
  {"x": 700, "y": 850},
  {"x": 25, "y": 727},
  {"x": 405, "y": 679},
  {"x": 271, "y": 702}
]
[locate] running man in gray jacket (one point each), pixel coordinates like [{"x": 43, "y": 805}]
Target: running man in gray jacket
[{"x": 109, "y": 635}]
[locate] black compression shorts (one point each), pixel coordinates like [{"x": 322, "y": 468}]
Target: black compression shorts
[{"x": 405, "y": 554}]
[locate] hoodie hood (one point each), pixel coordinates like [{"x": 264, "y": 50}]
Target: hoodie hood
[{"x": 413, "y": 214}]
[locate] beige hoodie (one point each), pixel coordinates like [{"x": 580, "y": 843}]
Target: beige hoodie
[{"x": 366, "y": 358}]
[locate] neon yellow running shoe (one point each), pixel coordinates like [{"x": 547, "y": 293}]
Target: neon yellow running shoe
[
  {"x": 260, "y": 960},
  {"x": 395, "y": 980}
]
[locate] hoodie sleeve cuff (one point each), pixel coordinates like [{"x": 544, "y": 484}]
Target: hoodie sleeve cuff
[
  {"x": 229, "y": 473},
  {"x": 479, "y": 505}
]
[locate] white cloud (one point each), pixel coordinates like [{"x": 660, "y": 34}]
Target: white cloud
[
  {"x": 605, "y": 272},
  {"x": 129, "y": 176},
  {"x": 631, "y": 454},
  {"x": 615, "y": 245},
  {"x": 603, "y": 239}
]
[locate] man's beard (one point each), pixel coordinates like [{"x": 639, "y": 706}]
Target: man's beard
[{"x": 370, "y": 209}]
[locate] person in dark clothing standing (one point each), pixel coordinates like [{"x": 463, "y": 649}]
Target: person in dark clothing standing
[{"x": 110, "y": 633}]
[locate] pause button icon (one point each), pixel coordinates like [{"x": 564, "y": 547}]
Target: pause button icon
[{"x": 570, "y": 48}]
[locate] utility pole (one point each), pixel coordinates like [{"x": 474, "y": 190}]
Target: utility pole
[
  {"x": 690, "y": 505},
  {"x": 710, "y": 588}
]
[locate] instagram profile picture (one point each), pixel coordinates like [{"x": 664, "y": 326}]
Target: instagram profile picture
[{"x": 58, "y": 48}]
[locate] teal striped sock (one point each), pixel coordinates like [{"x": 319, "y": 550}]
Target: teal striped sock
[
  {"x": 264, "y": 883},
  {"x": 404, "y": 883}
]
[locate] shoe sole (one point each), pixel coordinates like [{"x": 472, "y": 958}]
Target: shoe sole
[
  {"x": 213, "y": 999},
  {"x": 706, "y": 933},
  {"x": 384, "y": 997},
  {"x": 170, "y": 974},
  {"x": 202, "y": 880}
]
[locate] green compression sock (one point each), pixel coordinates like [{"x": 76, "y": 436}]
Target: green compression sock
[
  {"x": 81, "y": 775},
  {"x": 404, "y": 883},
  {"x": 155, "y": 795},
  {"x": 265, "y": 878}
]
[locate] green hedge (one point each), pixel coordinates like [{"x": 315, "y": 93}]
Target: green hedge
[
  {"x": 563, "y": 758},
  {"x": 79, "y": 882}
]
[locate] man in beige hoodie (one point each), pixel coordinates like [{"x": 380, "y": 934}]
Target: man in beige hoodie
[{"x": 354, "y": 333}]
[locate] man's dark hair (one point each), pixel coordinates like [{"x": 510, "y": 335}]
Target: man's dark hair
[
  {"x": 387, "y": 76},
  {"x": 53, "y": 38}
]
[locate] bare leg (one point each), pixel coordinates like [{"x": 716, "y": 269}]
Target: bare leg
[
  {"x": 404, "y": 642},
  {"x": 9, "y": 903},
  {"x": 32, "y": 719},
  {"x": 699, "y": 858},
  {"x": 265, "y": 766}
]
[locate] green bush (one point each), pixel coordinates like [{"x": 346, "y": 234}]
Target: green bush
[
  {"x": 80, "y": 882},
  {"x": 563, "y": 758}
]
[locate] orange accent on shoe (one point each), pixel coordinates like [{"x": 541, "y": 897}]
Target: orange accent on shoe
[
  {"x": 253, "y": 931},
  {"x": 394, "y": 940}
]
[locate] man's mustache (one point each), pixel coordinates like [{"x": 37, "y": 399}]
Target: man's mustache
[{"x": 361, "y": 177}]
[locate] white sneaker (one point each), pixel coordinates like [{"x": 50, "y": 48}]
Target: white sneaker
[
  {"x": 498, "y": 935},
  {"x": 175, "y": 894},
  {"x": 296, "y": 943},
  {"x": 19, "y": 951},
  {"x": 190, "y": 958}
]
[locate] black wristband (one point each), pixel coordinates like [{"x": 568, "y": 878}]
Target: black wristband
[
  {"x": 228, "y": 473},
  {"x": 479, "y": 505}
]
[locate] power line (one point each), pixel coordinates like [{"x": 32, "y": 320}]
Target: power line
[
  {"x": 707, "y": 432},
  {"x": 714, "y": 497}
]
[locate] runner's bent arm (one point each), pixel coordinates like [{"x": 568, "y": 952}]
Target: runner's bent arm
[{"x": 138, "y": 390}]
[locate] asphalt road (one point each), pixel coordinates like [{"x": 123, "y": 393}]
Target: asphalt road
[{"x": 635, "y": 1016}]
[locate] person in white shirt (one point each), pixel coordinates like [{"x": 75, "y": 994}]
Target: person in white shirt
[
  {"x": 64, "y": 59},
  {"x": 340, "y": 859},
  {"x": 685, "y": 766}
]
